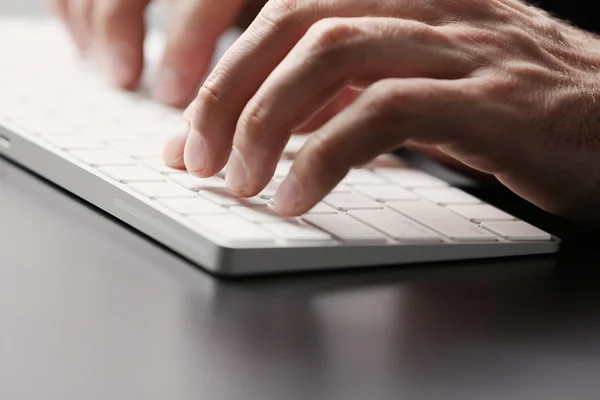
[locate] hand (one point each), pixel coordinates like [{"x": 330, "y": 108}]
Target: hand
[
  {"x": 496, "y": 84},
  {"x": 115, "y": 29}
]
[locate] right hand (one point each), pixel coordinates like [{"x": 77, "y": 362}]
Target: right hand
[{"x": 115, "y": 29}]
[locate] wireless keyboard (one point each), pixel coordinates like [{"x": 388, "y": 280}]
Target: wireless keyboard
[{"x": 61, "y": 120}]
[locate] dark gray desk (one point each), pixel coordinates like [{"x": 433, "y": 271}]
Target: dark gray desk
[{"x": 91, "y": 310}]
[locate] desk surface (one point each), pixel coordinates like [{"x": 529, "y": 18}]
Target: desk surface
[{"x": 91, "y": 310}]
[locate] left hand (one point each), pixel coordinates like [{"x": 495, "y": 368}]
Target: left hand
[{"x": 496, "y": 84}]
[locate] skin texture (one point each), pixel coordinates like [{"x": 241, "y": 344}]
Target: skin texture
[{"x": 496, "y": 85}]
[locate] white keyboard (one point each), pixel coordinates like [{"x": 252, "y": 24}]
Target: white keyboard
[{"x": 60, "y": 120}]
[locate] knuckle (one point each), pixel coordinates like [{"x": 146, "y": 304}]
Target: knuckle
[
  {"x": 280, "y": 12},
  {"x": 324, "y": 157},
  {"x": 385, "y": 99},
  {"x": 206, "y": 100},
  {"x": 333, "y": 33},
  {"x": 250, "y": 123}
]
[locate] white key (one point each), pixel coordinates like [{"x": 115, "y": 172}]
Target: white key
[
  {"x": 192, "y": 182},
  {"x": 443, "y": 221},
  {"x": 387, "y": 192},
  {"x": 516, "y": 231},
  {"x": 234, "y": 230},
  {"x": 196, "y": 205},
  {"x": 258, "y": 214},
  {"x": 346, "y": 229},
  {"x": 341, "y": 188},
  {"x": 101, "y": 158},
  {"x": 132, "y": 174},
  {"x": 481, "y": 212},
  {"x": 158, "y": 165},
  {"x": 161, "y": 190},
  {"x": 297, "y": 232},
  {"x": 270, "y": 190},
  {"x": 410, "y": 178},
  {"x": 362, "y": 177},
  {"x": 295, "y": 143},
  {"x": 320, "y": 208},
  {"x": 447, "y": 196},
  {"x": 222, "y": 172},
  {"x": 225, "y": 198},
  {"x": 74, "y": 142},
  {"x": 137, "y": 149},
  {"x": 283, "y": 168},
  {"x": 351, "y": 201},
  {"x": 396, "y": 225}
]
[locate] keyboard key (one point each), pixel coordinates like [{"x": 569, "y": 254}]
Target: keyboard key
[
  {"x": 481, "y": 212},
  {"x": 192, "y": 182},
  {"x": 362, "y": 177},
  {"x": 161, "y": 190},
  {"x": 320, "y": 208},
  {"x": 74, "y": 142},
  {"x": 102, "y": 158},
  {"x": 234, "y": 230},
  {"x": 132, "y": 174},
  {"x": 346, "y": 229},
  {"x": 395, "y": 225},
  {"x": 295, "y": 143},
  {"x": 516, "y": 231},
  {"x": 387, "y": 192},
  {"x": 270, "y": 190},
  {"x": 283, "y": 168},
  {"x": 342, "y": 188},
  {"x": 446, "y": 196},
  {"x": 224, "y": 198},
  {"x": 442, "y": 221},
  {"x": 158, "y": 165},
  {"x": 351, "y": 201},
  {"x": 137, "y": 148},
  {"x": 196, "y": 205},
  {"x": 410, "y": 178},
  {"x": 258, "y": 214},
  {"x": 295, "y": 231}
]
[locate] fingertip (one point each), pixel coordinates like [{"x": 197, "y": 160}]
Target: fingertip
[{"x": 290, "y": 199}]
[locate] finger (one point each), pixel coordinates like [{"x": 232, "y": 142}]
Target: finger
[
  {"x": 341, "y": 101},
  {"x": 62, "y": 9},
  {"x": 390, "y": 113},
  {"x": 335, "y": 52},
  {"x": 173, "y": 150},
  {"x": 197, "y": 25},
  {"x": 80, "y": 18},
  {"x": 119, "y": 34},
  {"x": 244, "y": 68}
]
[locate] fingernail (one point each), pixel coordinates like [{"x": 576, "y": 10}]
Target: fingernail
[
  {"x": 236, "y": 172},
  {"x": 173, "y": 150},
  {"x": 118, "y": 65},
  {"x": 289, "y": 195},
  {"x": 196, "y": 157},
  {"x": 171, "y": 86}
]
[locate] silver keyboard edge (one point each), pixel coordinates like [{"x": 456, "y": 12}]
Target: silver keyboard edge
[{"x": 237, "y": 261}]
